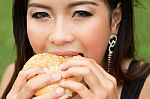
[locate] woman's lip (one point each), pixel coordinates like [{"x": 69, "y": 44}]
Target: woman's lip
[{"x": 66, "y": 53}]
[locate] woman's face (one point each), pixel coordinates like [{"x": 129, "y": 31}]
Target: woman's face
[{"x": 69, "y": 27}]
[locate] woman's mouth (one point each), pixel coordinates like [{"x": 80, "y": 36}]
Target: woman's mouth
[{"x": 67, "y": 53}]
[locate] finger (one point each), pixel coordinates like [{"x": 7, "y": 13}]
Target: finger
[
  {"x": 104, "y": 77},
  {"x": 104, "y": 72},
  {"x": 82, "y": 61},
  {"x": 70, "y": 61},
  {"x": 24, "y": 75},
  {"x": 108, "y": 82},
  {"x": 54, "y": 94},
  {"x": 91, "y": 80},
  {"x": 78, "y": 88},
  {"x": 39, "y": 82},
  {"x": 101, "y": 74},
  {"x": 89, "y": 76}
]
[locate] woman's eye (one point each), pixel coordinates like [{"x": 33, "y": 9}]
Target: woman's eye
[
  {"x": 82, "y": 13},
  {"x": 38, "y": 15}
]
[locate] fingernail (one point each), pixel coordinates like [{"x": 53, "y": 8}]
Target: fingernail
[
  {"x": 45, "y": 70},
  {"x": 63, "y": 73},
  {"x": 56, "y": 76},
  {"x": 60, "y": 91},
  {"x": 62, "y": 83}
]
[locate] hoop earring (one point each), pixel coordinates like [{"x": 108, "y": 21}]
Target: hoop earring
[{"x": 112, "y": 43}]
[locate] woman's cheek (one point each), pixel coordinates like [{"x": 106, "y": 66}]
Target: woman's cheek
[
  {"x": 37, "y": 35},
  {"x": 95, "y": 37},
  {"x": 97, "y": 46}
]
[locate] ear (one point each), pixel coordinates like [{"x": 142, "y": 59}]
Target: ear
[{"x": 116, "y": 19}]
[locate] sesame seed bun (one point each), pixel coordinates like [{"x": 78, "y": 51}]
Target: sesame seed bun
[{"x": 52, "y": 61}]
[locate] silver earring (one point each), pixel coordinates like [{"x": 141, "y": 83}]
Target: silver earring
[{"x": 112, "y": 43}]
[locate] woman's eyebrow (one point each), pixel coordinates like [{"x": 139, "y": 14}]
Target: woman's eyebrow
[
  {"x": 39, "y": 5},
  {"x": 82, "y": 3}
]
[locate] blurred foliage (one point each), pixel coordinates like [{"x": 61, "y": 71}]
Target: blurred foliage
[
  {"x": 142, "y": 30},
  {"x": 7, "y": 47}
]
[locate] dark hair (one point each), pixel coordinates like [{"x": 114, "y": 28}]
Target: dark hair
[{"x": 123, "y": 50}]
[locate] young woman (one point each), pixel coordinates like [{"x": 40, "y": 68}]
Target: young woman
[{"x": 100, "y": 30}]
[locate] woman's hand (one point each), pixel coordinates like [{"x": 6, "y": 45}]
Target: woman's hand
[
  {"x": 101, "y": 84},
  {"x": 24, "y": 88}
]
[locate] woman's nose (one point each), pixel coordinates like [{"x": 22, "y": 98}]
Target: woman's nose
[{"x": 60, "y": 35}]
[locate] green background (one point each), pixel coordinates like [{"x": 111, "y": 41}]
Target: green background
[{"x": 7, "y": 47}]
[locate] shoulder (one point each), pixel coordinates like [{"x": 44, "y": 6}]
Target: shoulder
[
  {"x": 146, "y": 89},
  {"x": 139, "y": 76},
  {"x": 6, "y": 77}
]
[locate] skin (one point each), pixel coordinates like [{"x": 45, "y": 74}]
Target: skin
[{"x": 70, "y": 29}]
